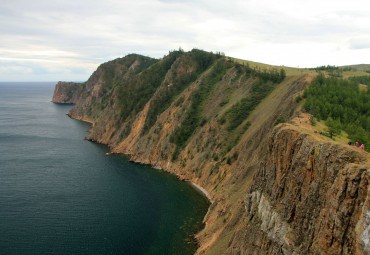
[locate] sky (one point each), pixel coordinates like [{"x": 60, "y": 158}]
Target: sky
[{"x": 52, "y": 40}]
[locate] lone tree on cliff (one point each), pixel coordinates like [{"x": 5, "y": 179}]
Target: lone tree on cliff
[{"x": 334, "y": 127}]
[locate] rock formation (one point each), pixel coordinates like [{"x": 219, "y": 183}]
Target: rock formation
[
  {"x": 275, "y": 189},
  {"x": 67, "y": 92}
]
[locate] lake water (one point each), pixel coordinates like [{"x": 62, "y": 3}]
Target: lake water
[{"x": 60, "y": 194}]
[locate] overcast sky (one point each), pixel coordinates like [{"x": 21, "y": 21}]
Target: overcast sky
[{"x": 49, "y": 40}]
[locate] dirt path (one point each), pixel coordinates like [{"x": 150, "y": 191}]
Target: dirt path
[{"x": 303, "y": 124}]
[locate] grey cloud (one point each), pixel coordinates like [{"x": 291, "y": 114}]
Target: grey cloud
[
  {"x": 78, "y": 70},
  {"x": 97, "y": 31},
  {"x": 42, "y": 70},
  {"x": 360, "y": 43}
]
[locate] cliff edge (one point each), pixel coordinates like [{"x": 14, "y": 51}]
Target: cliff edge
[
  {"x": 309, "y": 197},
  {"x": 215, "y": 122},
  {"x": 67, "y": 92}
]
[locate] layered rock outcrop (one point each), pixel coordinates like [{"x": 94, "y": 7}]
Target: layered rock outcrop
[{"x": 310, "y": 197}]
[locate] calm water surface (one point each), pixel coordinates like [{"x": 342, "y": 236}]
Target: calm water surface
[{"x": 60, "y": 194}]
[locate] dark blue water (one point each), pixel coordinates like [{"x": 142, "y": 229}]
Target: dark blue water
[{"x": 60, "y": 194}]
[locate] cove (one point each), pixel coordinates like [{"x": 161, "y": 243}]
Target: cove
[{"x": 60, "y": 194}]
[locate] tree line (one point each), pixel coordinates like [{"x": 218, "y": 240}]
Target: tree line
[{"x": 342, "y": 104}]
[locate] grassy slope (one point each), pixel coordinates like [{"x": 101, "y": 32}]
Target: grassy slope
[
  {"x": 290, "y": 71},
  {"x": 360, "y": 69},
  {"x": 253, "y": 146}
]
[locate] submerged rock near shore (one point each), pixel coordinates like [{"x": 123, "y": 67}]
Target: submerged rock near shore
[{"x": 214, "y": 121}]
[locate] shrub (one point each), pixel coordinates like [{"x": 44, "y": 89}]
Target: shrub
[
  {"x": 298, "y": 99},
  {"x": 279, "y": 120}
]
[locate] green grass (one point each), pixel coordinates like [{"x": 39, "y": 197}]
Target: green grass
[
  {"x": 290, "y": 71},
  {"x": 320, "y": 126}
]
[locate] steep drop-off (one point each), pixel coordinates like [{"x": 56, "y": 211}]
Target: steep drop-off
[
  {"x": 67, "y": 92},
  {"x": 309, "y": 197},
  {"x": 212, "y": 121}
]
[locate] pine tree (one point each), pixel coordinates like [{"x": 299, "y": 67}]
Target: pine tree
[{"x": 334, "y": 127}]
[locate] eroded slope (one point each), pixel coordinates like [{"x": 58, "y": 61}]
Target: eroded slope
[{"x": 211, "y": 121}]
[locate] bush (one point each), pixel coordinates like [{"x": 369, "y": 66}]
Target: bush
[
  {"x": 228, "y": 161},
  {"x": 222, "y": 120},
  {"x": 224, "y": 102},
  {"x": 298, "y": 99},
  {"x": 365, "y": 79},
  {"x": 175, "y": 153},
  {"x": 179, "y": 101},
  {"x": 313, "y": 121},
  {"x": 279, "y": 120},
  {"x": 215, "y": 156}
]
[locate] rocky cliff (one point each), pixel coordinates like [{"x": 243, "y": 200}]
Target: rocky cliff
[
  {"x": 213, "y": 121},
  {"x": 309, "y": 197},
  {"x": 67, "y": 92}
]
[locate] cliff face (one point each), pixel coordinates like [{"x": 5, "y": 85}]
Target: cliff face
[
  {"x": 308, "y": 197},
  {"x": 273, "y": 190},
  {"x": 67, "y": 92}
]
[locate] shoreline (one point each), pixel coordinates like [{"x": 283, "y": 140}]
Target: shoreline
[
  {"x": 201, "y": 190},
  {"x": 82, "y": 119},
  {"x": 197, "y": 187}
]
